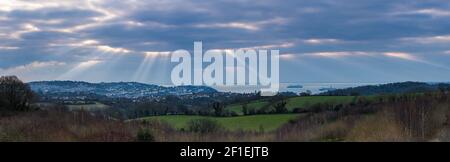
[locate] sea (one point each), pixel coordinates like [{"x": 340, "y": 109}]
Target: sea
[{"x": 297, "y": 88}]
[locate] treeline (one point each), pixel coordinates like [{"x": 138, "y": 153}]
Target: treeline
[
  {"x": 391, "y": 88},
  {"x": 179, "y": 105}
]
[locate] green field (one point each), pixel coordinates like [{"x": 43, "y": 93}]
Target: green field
[
  {"x": 302, "y": 102},
  {"x": 89, "y": 107},
  {"x": 252, "y": 105},
  {"x": 253, "y": 122},
  {"x": 296, "y": 102}
]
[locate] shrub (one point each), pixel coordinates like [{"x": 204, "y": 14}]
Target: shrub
[
  {"x": 245, "y": 109},
  {"x": 145, "y": 135},
  {"x": 280, "y": 107},
  {"x": 299, "y": 110},
  {"x": 204, "y": 126}
]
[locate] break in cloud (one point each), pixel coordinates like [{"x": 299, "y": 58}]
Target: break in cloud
[{"x": 320, "y": 41}]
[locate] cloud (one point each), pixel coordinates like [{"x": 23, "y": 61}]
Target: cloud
[
  {"x": 399, "y": 55},
  {"x": 157, "y": 54},
  {"x": 402, "y": 55},
  {"x": 272, "y": 46},
  {"x": 83, "y": 30},
  {"x": 89, "y": 63},
  {"x": 84, "y": 43},
  {"x": 433, "y": 12},
  {"x": 52, "y": 14},
  {"x": 2, "y": 18},
  {"x": 251, "y": 26},
  {"x": 8, "y": 48},
  {"x": 238, "y": 25},
  {"x": 428, "y": 40},
  {"x": 110, "y": 49},
  {"x": 31, "y": 66},
  {"x": 11, "y": 5},
  {"x": 26, "y": 28},
  {"x": 91, "y": 43},
  {"x": 342, "y": 54},
  {"x": 321, "y": 41},
  {"x": 338, "y": 54},
  {"x": 287, "y": 56}
]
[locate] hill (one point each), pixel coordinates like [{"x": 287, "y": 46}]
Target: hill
[
  {"x": 294, "y": 102},
  {"x": 391, "y": 88}
]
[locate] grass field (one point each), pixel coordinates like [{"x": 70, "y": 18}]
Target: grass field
[
  {"x": 252, "y": 105},
  {"x": 301, "y": 102},
  {"x": 253, "y": 122},
  {"x": 89, "y": 107},
  {"x": 295, "y": 102}
]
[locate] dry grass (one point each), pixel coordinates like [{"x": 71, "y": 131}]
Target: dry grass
[
  {"x": 423, "y": 118},
  {"x": 314, "y": 127},
  {"x": 376, "y": 128},
  {"x": 56, "y": 126},
  {"x": 62, "y": 126}
]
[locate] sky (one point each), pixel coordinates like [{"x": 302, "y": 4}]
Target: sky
[{"x": 319, "y": 41}]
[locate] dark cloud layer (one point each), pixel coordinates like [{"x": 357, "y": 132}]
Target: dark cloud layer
[{"x": 320, "y": 38}]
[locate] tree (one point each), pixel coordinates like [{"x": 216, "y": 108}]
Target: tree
[
  {"x": 14, "y": 94},
  {"x": 280, "y": 107},
  {"x": 218, "y": 109},
  {"x": 307, "y": 93},
  {"x": 245, "y": 109}
]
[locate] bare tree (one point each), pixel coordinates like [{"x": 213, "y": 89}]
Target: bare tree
[{"x": 14, "y": 94}]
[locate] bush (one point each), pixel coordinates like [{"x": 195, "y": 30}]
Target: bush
[
  {"x": 232, "y": 113},
  {"x": 280, "y": 107},
  {"x": 245, "y": 109},
  {"x": 252, "y": 112},
  {"x": 145, "y": 135},
  {"x": 204, "y": 126},
  {"x": 299, "y": 110}
]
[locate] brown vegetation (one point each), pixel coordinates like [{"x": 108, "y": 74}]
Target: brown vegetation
[{"x": 414, "y": 117}]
